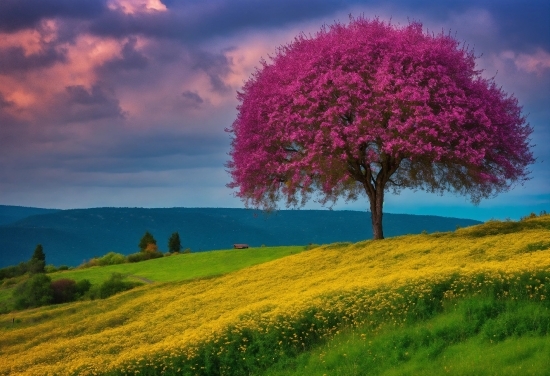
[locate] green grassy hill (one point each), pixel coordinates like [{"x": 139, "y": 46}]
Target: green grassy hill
[
  {"x": 179, "y": 267},
  {"x": 184, "y": 267},
  {"x": 470, "y": 302}
]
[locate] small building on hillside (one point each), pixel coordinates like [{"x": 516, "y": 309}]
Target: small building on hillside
[{"x": 240, "y": 246}]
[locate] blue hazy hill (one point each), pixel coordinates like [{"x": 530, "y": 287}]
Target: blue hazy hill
[
  {"x": 72, "y": 236},
  {"x": 10, "y": 214}
]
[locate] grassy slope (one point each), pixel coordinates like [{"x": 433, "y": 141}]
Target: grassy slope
[
  {"x": 184, "y": 266},
  {"x": 174, "y": 268},
  {"x": 175, "y": 318}
]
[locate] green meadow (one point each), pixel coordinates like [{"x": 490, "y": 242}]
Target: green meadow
[{"x": 181, "y": 267}]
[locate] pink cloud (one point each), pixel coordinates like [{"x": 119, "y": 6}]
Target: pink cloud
[
  {"x": 136, "y": 6},
  {"x": 536, "y": 63}
]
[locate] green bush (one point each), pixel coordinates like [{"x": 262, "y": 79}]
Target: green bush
[
  {"x": 35, "y": 292},
  {"x": 136, "y": 257},
  {"x": 112, "y": 258},
  {"x": 114, "y": 285},
  {"x": 13, "y": 271},
  {"x": 50, "y": 268},
  {"x": 82, "y": 287},
  {"x": 9, "y": 282},
  {"x": 143, "y": 256}
]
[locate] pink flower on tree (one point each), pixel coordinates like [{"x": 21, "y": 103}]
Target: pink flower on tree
[{"x": 366, "y": 107}]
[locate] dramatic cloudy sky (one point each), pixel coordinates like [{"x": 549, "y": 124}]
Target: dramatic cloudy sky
[{"x": 124, "y": 102}]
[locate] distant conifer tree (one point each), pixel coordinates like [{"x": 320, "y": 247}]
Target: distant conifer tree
[
  {"x": 146, "y": 240},
  {"x": 37, "y": 262},
  {"x": 174, "y": 243}
]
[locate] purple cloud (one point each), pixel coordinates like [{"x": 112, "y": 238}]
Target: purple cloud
[
  {"x": 93, "y": 93},
  {"x": 79, "y": 104}
]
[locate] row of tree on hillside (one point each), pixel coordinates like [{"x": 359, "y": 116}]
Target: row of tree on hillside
[
  {"x": 148, "y": 243},
  {"x": 147, "y": 246},
  {"x": 34, "y": 288},
  {"x": 148, "y": 250},
  {"x": 36, "y": 264}
]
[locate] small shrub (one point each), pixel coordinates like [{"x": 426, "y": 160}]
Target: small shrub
[
  {"x": 82, "y": 287},
  {"x": 9, "y": 272},
  {"x": 186, "y": 250},
  {"x": 531, "y": 215},
  {"x": 63, "y": 267},
  {"x": 114, "y": 285},
  {"x": 93, "y": 262},
  {"x": 35, "y": 292},
  {"x": 112, "y": 258},
  {"x": 136, "y": 257},
  {"x": 143, "y": 256},
  {"x": 11, "y": 282},
  {"x": 64, "y": 290},
  {"x": 50, "y": 268}
]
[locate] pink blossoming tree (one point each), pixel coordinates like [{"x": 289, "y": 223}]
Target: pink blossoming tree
[{"x": 367, "y": 106}]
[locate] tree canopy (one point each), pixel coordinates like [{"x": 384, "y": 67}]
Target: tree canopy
[
  {"x": 146, "y": 240},
  {"x": 174, "y": 243},
  {"x": 367, "y": 106},
  {"x": 37, "y": 263}
]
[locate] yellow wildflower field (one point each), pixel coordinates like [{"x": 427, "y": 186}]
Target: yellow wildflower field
[{"x": 171, "y": 320}]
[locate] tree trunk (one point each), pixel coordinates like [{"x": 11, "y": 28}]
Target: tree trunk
[{"x": 376, "y": 206}]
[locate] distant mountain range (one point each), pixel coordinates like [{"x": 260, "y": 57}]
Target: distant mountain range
[{"x": 71, "y": 236}]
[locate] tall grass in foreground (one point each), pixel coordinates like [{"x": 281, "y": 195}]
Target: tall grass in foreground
[
  {"x": 478, "y": 336},
  {"x": 244, "y": 322}
]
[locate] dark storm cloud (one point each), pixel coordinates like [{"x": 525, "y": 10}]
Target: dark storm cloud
[
  {"x": 522, "y": 24},
  {"x": 79, "y": 104},
  {"x": 191, "y": 99},
  {"x": 21, "y": 14},
  {"x": 121, "y": 152},
  {"x": 163, "y": 67},
  {"x": 192, "y": 22},
  {"x": 215, "y": 65},
  {"x": 130, "y": 59},
  {"x": 13, "y": 59}
]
